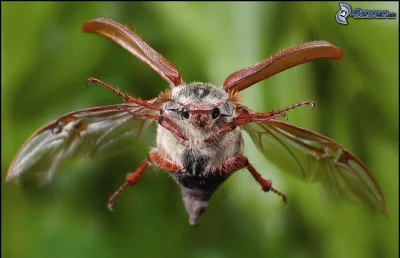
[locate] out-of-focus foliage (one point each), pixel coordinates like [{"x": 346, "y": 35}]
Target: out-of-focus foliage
[{"x": 46, "y": 60}]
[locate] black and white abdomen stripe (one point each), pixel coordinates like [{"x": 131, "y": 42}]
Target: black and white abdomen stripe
[{"x": 194, "y": 162}]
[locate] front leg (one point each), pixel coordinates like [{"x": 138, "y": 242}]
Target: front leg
[
  {"x": 246, "y": 117},
  {"x": 163, "y": 120},
  {"x": 125, "y": 96},
  {"x": 168, "y": 124}
]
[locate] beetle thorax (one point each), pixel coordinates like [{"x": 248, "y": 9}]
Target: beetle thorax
[
  {"x": 201, "y": 120},
  {"x": 199, "y": 93}
]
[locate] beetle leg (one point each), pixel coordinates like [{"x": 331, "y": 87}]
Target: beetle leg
[
  {"x": 126, "y": 96},
  {"x": 265, "y": 184},
  {"x": 165, "y": 122},
  {"x": 168, "y": 124},
  {"x": 162, "y": 119},
  {"x": 237, "y": 162},
  {"x": 243, "y": 119},
  {"x": 246, "y": 117},
  {"x": 303, "y": 103},
  {"x": 131, "y": 179},
  {"x": 155, "y": 158},
  {"x": 232, "y": 165},
  {"x": 159, "y": 160}
]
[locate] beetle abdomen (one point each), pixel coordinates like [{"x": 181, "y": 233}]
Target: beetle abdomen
[
  {"x": 197, "y": 191},
  {"x": 194, "y": 162},
  {"x": 192, "y": 183}
]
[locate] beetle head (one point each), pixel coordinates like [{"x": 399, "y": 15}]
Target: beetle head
[{"x": 199, "y": 106}]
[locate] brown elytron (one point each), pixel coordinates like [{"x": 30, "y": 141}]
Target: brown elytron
[{"x": 199, "y": 131}]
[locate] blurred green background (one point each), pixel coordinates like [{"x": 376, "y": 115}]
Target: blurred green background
[{"x": 46, "y": 60}]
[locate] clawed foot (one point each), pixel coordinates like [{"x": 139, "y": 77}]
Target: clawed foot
[
  {"x": 267, "y": 186},
  {"x": 110, "y": 205},
  {"x": 283, "y": 196}
]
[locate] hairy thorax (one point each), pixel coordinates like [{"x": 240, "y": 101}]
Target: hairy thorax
[{"x": 195, "y": 156}]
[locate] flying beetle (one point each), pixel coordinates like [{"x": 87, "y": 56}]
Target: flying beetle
[{"x": 199, "y": 131}]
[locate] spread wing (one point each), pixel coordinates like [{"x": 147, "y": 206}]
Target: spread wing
[
  {"x": 89, "y": 132},
  {"x": 314, "y": 157}
]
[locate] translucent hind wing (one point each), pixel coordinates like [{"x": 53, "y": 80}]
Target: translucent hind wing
[
  {"x": 84, "y": 133},
  {"x": 313, "y": 157}
]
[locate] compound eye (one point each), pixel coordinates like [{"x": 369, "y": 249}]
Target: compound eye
[
  {"x": 215, "y": 113},
  {"x": 185, "y": 113}
]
